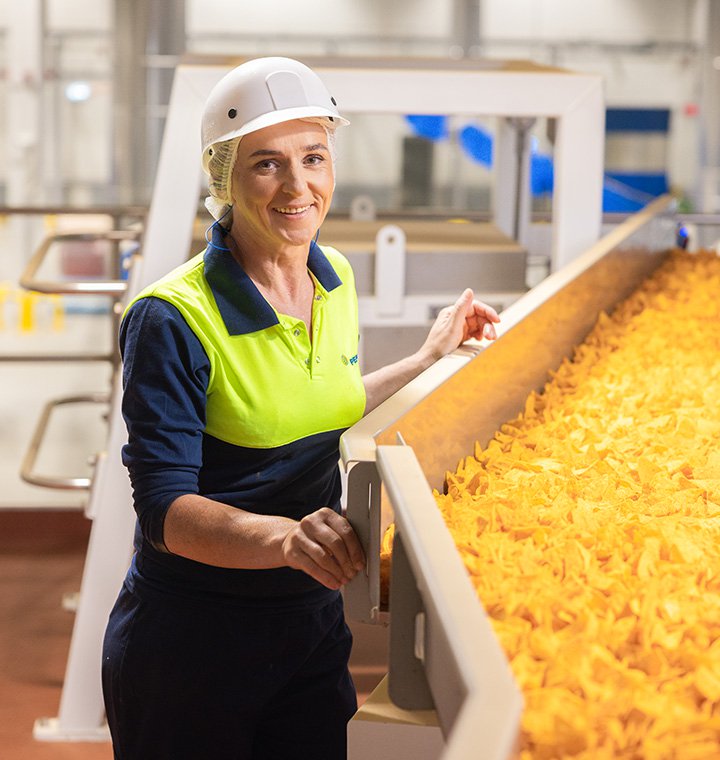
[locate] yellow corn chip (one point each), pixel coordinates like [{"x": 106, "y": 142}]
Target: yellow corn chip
[{"x": 590, "y": 527}]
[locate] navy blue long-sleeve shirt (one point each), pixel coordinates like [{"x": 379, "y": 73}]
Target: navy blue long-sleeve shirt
[{"x": 166, "y": 372}]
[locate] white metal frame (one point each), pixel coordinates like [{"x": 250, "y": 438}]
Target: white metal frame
[{"x": 574, "y": 100}]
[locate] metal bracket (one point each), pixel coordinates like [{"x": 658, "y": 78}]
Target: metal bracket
[
  {"x": 362, "y": 594},
  {"x": 407, "y": 684},
  {"x": 362, "y": 209},
  {"x": 50, "y": 730},
  {"x": 389, "y": 270}
]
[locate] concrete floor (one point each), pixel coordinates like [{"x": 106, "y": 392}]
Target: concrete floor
[{"x": 41, "y": 558}]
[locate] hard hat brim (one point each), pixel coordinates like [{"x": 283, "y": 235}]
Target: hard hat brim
[{"x": 276, "y": 117}]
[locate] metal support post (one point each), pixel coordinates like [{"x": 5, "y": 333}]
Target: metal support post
[
  {"x": 512, "y": 199},
  {"x": 24, "y": 120}
]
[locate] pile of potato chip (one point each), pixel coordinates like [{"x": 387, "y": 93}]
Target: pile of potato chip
[{"x": 590, "y": 526}]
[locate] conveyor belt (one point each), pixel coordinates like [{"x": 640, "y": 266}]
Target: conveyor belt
[{"x": 589, "y": 527}]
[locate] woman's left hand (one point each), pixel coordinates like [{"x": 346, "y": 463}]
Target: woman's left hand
[
  {"x": 324, "y": 545},
  {"x": 465, "y": 319}
]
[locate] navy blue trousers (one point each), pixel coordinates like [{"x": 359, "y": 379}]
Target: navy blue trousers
[{"x": 189, "y": 681}]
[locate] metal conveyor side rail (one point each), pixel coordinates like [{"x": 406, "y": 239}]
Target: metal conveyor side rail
[{"x": 442, "y": 645}]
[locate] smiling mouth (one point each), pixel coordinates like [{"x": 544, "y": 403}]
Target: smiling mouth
[{"x": 292, "y": 210}]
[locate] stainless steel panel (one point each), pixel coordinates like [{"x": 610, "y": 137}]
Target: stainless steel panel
[
  {"x": 384, "y": 345},
  {"x": 441, "y": 257},
  {"x": 449, "y": 272}
]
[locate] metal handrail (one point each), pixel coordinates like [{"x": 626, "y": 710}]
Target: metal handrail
[
  {"x": 114, "y": 288},
  {"x": 64, "y": 358},
  {"x": 115, "y": 212},
  {"x": 28, "y": 464}
]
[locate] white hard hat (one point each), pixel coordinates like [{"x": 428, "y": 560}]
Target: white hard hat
[{"x": 260, "y": 93}]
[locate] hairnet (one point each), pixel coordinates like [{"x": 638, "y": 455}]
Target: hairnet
[{"x": 220, "y": 170}]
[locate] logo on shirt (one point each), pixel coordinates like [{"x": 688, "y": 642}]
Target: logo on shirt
[{"x": 351, "y": 361}]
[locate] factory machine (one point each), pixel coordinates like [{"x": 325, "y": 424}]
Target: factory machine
[
  {"x": 409, "y": 287},
  {"x": 449, "y": 692}
]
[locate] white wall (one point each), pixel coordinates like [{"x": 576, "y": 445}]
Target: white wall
[
  {"x": 322, "y": 18},
  {"x": 64, "y": 15},
  {"x": 616, "y": 21}
]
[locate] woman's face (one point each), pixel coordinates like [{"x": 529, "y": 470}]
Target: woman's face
[{"x": 282, "y": 185}]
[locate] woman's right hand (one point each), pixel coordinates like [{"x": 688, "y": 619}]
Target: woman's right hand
[
  {"x": 465, "y": 319},
  {"x": 324, "y": 545}
]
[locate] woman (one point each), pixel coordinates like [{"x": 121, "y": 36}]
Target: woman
[{"x": 240, "y": 373}]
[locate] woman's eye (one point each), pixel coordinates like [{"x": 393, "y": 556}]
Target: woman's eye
[
  {"x": 265, "y": 165},
  {"x": 315, "y": 159}
]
